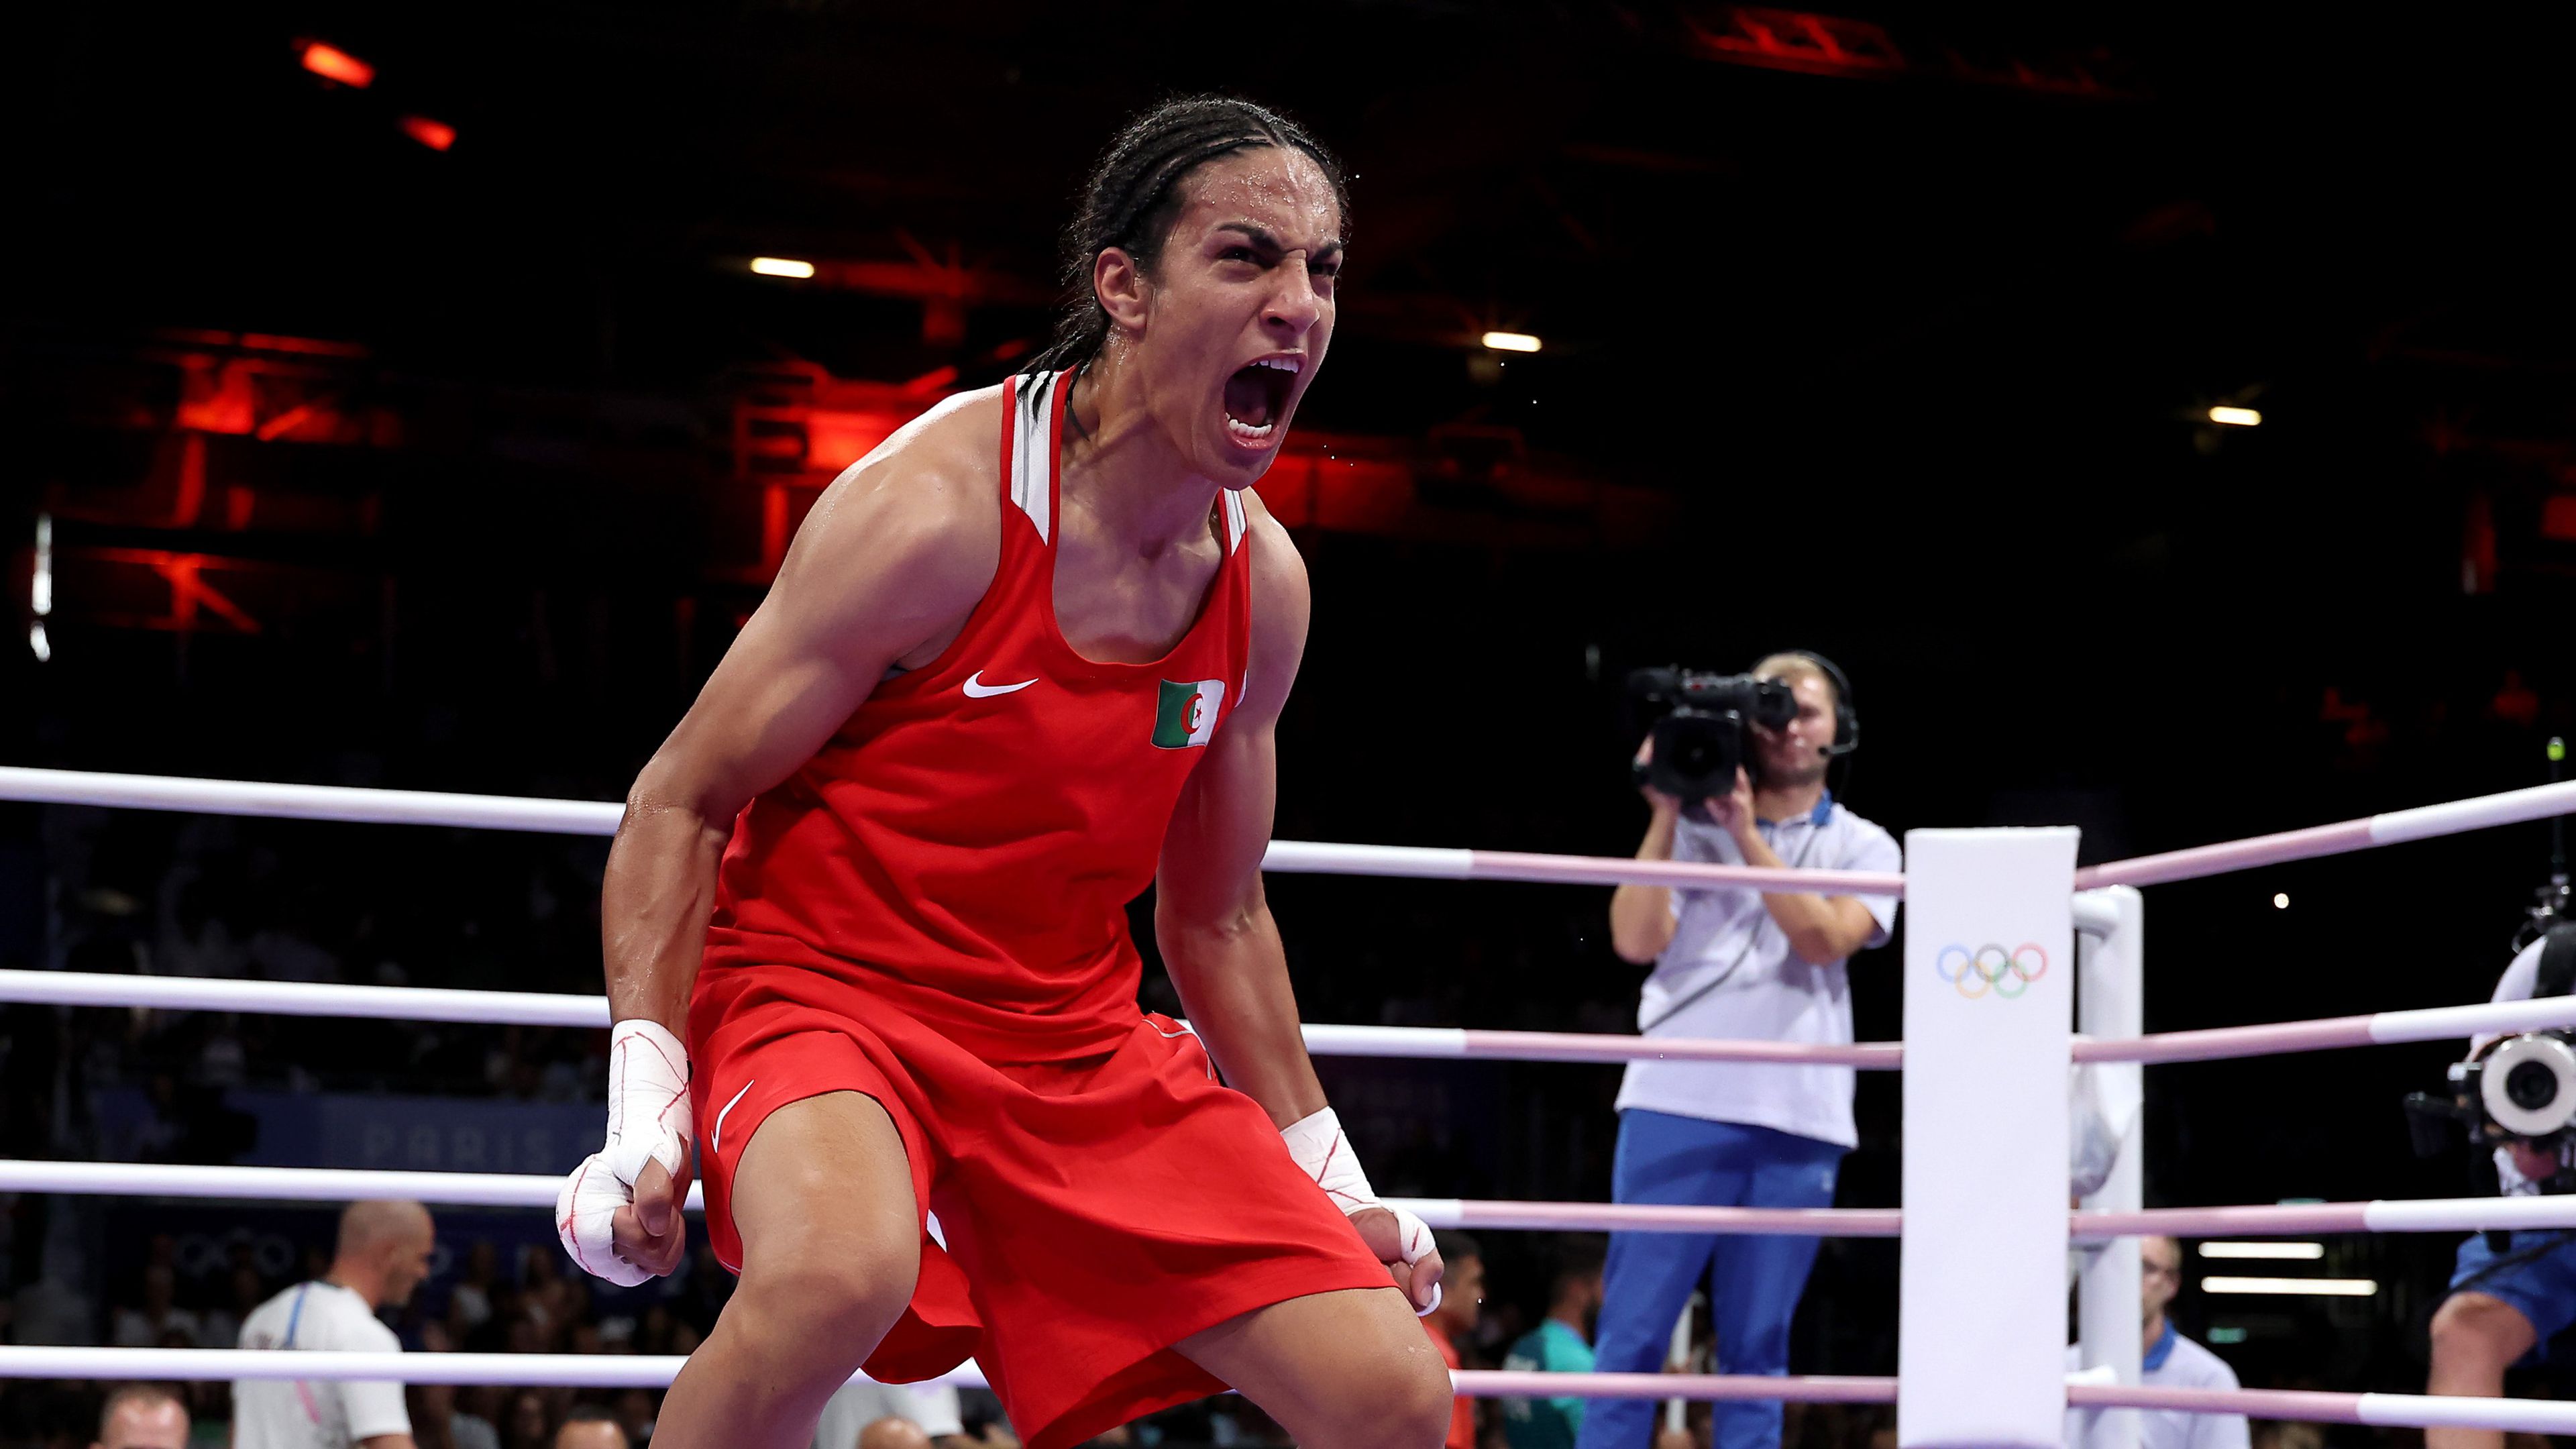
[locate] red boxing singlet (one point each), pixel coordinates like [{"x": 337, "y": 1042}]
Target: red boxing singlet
[{"x": 965, "y": 847}]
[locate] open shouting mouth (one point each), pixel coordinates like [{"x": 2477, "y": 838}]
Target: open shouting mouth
[{"x": 1256, "y": 398}]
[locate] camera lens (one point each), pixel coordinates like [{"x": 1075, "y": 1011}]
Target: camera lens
[{"x": 2531, "y": 1085}]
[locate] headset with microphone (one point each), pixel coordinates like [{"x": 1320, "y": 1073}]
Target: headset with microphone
[{"x": 1846, "y": 717}]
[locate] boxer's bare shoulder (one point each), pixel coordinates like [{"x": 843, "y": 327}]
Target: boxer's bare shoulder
[{"x": 911, "y": 533}]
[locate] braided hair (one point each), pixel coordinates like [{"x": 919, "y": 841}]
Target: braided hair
[{"x": 1134, "y": 195}]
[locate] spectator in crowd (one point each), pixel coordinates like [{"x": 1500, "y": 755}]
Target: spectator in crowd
[
  {"x": 893, "y": 1433},
  {"x": 245, "y": 1290},
  {"x": 857, "y": 1407},
  {"x": 635, "y": 1411},
  {"x": 142, "y": 1416},
  {"x": 590, "y": 1427},
  {"x": 1462, "y": 1297},
  {"x": 1561, "y": 1344},
  {"x": 469, "y": 1303},
  {"x": 151, "y": 1325},
  {"x": 381, "y": 1256},
  {"x": 528, "y": 1423},
  {"x": 437, "y": 1422},
  {"x": 2171, "y": 1361},
  {"x": 439, "y": 1419}
]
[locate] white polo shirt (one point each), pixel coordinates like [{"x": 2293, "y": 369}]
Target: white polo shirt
[
  {"x": 2174, "y": 1363},
  {"x": 296, "y": 1414},
  {"x": 855, "y": 1405},
  {"x": 1729, "y": 972}
]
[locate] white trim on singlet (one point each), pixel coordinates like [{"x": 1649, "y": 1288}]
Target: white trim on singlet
[
  {"x": 1033, "y": 461},
  {"x": 1236, "y": 520},
  {"x": 1033, "y": 450}
]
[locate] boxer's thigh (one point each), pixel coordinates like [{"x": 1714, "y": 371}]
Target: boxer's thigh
[
  {"x": 823, "y": 1200},
  {"x": 1329, "y": 1366}
]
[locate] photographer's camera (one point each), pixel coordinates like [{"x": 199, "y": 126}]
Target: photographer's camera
[{"x": 1698, "y": 724}]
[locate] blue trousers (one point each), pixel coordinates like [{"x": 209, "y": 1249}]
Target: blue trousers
[{"x": 1753, "y": 1282}]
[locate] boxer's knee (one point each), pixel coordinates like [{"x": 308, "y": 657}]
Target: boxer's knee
[
  {"x": 2478, "y": 1333},
  {"x": 831, "y": 1237},
  {"x": 834, "y": 1300},
  {"x": 1399, "y": 1402}
]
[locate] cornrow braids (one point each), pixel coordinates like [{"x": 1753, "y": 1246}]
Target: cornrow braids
[{"x": 1134, "y": 195}]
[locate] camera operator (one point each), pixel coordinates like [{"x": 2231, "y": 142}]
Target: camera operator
[
  {"x": 1738, "y": 963},
  {"x": 2508, "y": 1298}
]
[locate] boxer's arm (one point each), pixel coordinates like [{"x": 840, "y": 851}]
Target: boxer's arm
[
  {"x": 1210, "y": 916},
  {"x": 893, "y": 556},
  {"x": 1221, "y": 945},
  {"x": 884, "y": 572}
]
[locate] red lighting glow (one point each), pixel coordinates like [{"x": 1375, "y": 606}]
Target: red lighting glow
[
  {"x": 332, "y": 63},
  {"x": 436, "y": 135},
  {"x": 2558, "y": 517}
]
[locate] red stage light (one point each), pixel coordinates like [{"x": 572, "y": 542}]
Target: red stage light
[
  {"x": 436, "y": 135},
  {"x": 2558, "y": 517},
  {"x": 333, "y": 63}
]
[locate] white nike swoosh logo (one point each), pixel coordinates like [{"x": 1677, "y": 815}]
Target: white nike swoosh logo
[
  {"x": 717, "y": 1132},
  {"x": 976, "y": 688}
]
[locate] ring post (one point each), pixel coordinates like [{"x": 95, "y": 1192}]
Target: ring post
[
  {"x": 1989, "y": 1016},
  {"x": 2111, "y": 1000}
]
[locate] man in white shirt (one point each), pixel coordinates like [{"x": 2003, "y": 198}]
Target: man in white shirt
[
  {"x": 2171, "y": 1361},
  {"x": 2503, "y": 1306},
  {"x": 1738, "y": 963},
  {"x": 383, "y": 1254}
]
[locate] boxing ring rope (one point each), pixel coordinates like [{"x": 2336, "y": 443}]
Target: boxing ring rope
[
  {"x": 1440, "y": 1043},
  {"x": 653, "y": 1371},
  {"x": 518, "y": 1008},
  {"x": 2394, "y": 827},
  {"x": 494, "y": 1189},
  {"x": 352, "y": 806},
  {"x": 650, "y": 1371},
  {"x": 525, "y": 1190}
]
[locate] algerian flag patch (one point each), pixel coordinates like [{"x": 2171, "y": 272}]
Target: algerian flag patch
[{"x": 1186, "y": 713}]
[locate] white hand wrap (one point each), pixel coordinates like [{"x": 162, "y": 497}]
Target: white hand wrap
[
  {"x": 1317, "y": 1144},
  {"x": 648, "y": 1121}
]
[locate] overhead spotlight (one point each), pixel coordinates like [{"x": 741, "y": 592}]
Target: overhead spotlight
[
  {"x": 2281, "y": 900},
  {"x": 1511, "y": 342},
  {"x": 782, "y": 267},
  {"x": 436, "y": 135},
  {"x": 40, "y": 593},
  {"x": 2283, "y": 1252},
  {"x": 2236, "y": 417},
  {"x": 2294, "y": 1287},
  {"x": 332, "y": 63},
  {"x": 40, "y": 588}
]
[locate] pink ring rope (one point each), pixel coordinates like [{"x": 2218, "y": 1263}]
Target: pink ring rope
[
  {"x": 481, "y": 1189},
  {"x": 414, "y": 1003},
  {"x": 654, "y": 1371}
]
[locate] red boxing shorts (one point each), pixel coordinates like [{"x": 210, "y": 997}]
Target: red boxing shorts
[{"x": 1096, "y": 1211}]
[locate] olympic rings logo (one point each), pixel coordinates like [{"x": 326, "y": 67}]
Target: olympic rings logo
[{"x": 1991, "y": 970}]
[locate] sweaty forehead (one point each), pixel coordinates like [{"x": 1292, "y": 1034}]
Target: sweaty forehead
[{"x": 1276, "y": 188}]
